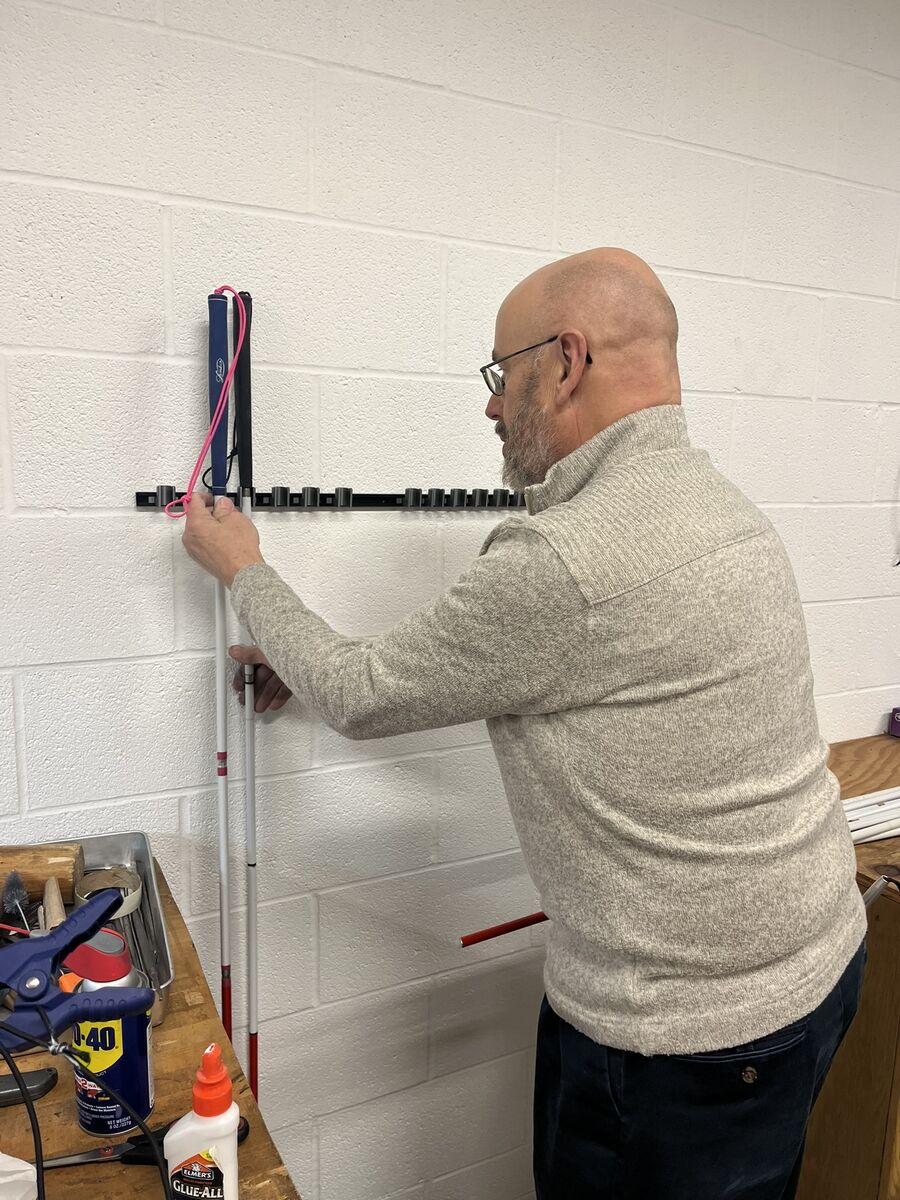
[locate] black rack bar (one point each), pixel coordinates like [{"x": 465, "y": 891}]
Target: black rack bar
[{"x": 312, "y": 499}]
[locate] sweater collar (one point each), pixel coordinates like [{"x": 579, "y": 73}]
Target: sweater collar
[{"x": 640, "y": 433}]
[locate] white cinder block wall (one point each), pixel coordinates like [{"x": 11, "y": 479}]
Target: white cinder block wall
[{"x": 378, "y": 175}]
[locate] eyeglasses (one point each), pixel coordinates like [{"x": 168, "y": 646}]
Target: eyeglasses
[{"x": 493, "y": 375}]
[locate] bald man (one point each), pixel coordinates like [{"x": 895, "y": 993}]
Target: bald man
[{"x": 636, "y": 645}]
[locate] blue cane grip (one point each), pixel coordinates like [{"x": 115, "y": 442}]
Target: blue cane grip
[{"x": 218, "y": 369}]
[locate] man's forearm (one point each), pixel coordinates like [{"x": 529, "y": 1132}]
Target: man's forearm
[
  {"x": 303, "y": 649},
  {"x": 359, "y": 691},
  {"x": 496, "y": 642}
]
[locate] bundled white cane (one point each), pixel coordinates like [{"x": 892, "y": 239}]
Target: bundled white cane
[
  {"x": 874, "y": 816},
  {"x": 244, "y": 449},
  {"x": 220, "y": 377}
]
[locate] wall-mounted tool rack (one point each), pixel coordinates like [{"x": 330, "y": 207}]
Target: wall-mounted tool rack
[{"x": 312, "y": 499}]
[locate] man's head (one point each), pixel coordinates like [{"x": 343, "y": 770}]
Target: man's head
[{"x": 601, "y": 336}]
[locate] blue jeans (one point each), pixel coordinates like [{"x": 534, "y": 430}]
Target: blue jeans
[{"x": 720, "y": 1125}]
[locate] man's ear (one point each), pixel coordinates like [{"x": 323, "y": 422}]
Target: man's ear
[{"x": 572, "y": 349}]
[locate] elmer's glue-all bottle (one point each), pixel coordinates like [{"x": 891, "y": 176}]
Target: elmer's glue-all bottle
[{"x": 201, "y": 1148}]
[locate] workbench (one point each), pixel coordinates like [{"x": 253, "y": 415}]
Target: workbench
[
  {"x": 191, "y": 1023},
  {"x": 853, "y": 1144}
]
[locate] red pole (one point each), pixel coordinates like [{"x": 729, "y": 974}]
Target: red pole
[
  {"x": 484, "y": 935},
  {"x": 226, "y": 999},
  {"x": 253, "y": 1063}
]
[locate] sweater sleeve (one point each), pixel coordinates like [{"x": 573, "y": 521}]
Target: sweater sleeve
[{"x": 497, "y": 642}]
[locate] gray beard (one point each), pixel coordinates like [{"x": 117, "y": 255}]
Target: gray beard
[{"x": 530, "y": 442}]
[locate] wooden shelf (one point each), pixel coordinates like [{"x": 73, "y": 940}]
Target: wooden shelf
[{"x": 191, "y": 1023}]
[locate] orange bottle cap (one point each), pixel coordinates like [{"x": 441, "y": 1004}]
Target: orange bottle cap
[{"x": 212, "y": 1086}]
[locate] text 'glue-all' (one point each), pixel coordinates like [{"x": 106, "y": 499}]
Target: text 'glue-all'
[{"x": 201, "y": 1149}]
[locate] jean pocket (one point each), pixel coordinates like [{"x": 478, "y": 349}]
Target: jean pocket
[{"x": 782, "y": 1039}]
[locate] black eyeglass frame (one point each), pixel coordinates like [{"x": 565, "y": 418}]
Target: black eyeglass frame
[{"x": 496, "y": 382}]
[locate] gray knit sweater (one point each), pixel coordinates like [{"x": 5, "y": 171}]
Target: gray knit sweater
[{"x": 637, "y": 647}]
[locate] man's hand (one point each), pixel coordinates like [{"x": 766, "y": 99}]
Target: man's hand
[
  {"x": 220, "y": 539},
  {"x": 271, "y": 692}
]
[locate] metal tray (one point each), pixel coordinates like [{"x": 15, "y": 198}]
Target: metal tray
[{"x": 145, "y": 929}]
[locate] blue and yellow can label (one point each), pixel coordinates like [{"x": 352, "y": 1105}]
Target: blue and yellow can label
[{"x": 119, "y": 1053}]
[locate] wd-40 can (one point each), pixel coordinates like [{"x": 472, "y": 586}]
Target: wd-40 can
[{"x": 119, "y": 1052}]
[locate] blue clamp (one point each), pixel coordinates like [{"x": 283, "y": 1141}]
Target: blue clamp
[{"x": 29, "y": 968}]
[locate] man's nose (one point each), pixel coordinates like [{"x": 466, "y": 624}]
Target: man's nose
[{"x": 494, "y": 410}]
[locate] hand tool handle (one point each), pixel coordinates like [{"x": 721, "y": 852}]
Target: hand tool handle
[
  {"x": 63, "y": 860},
  {"x": 54, "y": 909},
  {"x": 38, "y": 1083}
]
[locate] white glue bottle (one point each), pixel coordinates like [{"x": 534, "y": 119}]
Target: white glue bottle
[{"x": 201, "y": 1149}]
